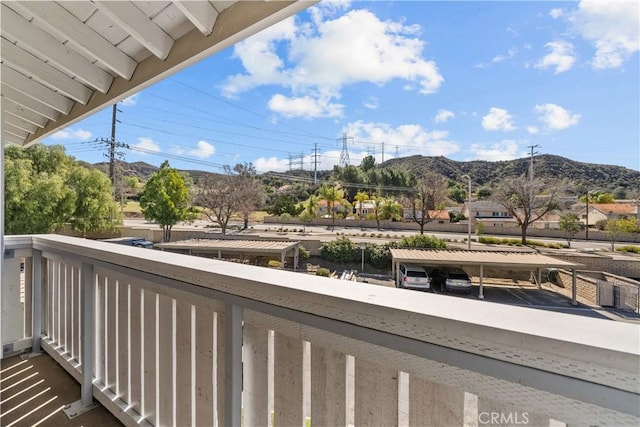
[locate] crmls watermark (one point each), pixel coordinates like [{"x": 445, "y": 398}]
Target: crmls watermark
[{"x": 503, "y": 418}]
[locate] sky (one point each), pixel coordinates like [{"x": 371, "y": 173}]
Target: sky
[{"x": 478, "y": 80}]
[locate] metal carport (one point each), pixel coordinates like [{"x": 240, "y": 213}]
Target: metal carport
[
  {"x": 240, "y": 247},
  {"x": 514, "y": 260}
]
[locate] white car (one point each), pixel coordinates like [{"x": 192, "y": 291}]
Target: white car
[
  {"x": 413, "y": 277},
  {"x": 457, "y": 280}
]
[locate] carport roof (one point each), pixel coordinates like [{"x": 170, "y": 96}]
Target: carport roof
[
  {"x": 485, "y": 258},
  {"x": 247, "y": 246}
]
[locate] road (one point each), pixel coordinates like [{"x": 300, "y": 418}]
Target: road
[{"x": 355, "y": 234}]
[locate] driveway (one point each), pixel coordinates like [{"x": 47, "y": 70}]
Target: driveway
[{"x": 524, "y": 295}]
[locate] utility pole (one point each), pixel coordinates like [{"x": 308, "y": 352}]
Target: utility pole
[
  {"x": 532, "y": 147},
  {"x": 289, "y": 162},
  {"x": 112, "y": 147},
  {"x": 315, "y": 163},
  {"x": 382, "y": 151},
  {"x": 301, "y": 161},
  {"x": 397, "y": 152}
]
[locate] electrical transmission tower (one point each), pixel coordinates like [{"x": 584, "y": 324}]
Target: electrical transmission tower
[
  {"x": 315, "y": 163},
  {"x": 344, "y": 154}
]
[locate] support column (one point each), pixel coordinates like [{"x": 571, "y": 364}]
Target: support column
[
  {"x": 87, "y": 313},
  {"x": 573, "y": 287},
  {"x": 233, "y": 365},
  {"x": 481, "y": 291},
  {"x": 256, "y": 376},
  {"x": 36, "y": 304}
]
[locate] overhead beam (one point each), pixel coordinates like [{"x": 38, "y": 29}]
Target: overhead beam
[
  {"x": 20, "y": 123},
  {"x": 233, "y": 24},
  {"x": 47, "y": 47},
  {"x": 28, "y": 102},
  {"x": 10, "y": 107},
  {"x": 58, "y": 20},
  {"x": 136, "y": 23},
  {"x": 200, "y": 13},
  {"x": 35, "y": 90},
  {"x": 29, "y": 64}
]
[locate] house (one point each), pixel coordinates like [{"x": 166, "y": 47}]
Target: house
[
  {"x": 604, "y": 211},
  {"x": 488, "y": 213},
  {"x": 440, "y": 216},
  {"x": 323, "y": 208},
  {"x": 362, "y": 209}
]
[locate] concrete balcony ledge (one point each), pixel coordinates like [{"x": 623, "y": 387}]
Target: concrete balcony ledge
[{"x": 567, "y": 367}]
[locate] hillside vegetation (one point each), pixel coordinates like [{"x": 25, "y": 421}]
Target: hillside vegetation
[{"x": 582, "y": 176}]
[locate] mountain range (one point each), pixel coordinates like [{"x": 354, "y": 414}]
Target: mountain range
[{"x": 581, "y": 176}]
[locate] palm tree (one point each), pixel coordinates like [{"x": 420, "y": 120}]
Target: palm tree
[
  {"x": 360, "y": 198},
  {"x": 312, "y": 205},
  {"x": 331, "y": 194}
]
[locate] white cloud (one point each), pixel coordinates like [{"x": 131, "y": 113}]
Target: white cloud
[
  {"x": 71, "y": 134},
  {"x": 304, "y": 106},
  {"x": 204, "y": 150},
  {"x": 504, "y": 150},
  {"x": 443, "y": 116},
  {"x": 266, "y": 164},
  {"x": 503, "y": 57},
  {"x": 146, "y": 145},
  {"x": 512, "y": 52},
  {"x": 533, "y": 130},
  {"x": 324, "y": 56},
  {"x": 561, "y": 57},
  {"x": 409, "y": 139},
  {"x": 130, "y": 101},
  {"x": 555, "y": 117},
  {"x": 498, "y": 119},
  {"x": 556, "y": 13},
  {"x": 372, "y": 103},
  {"x": 612, "y": 27}
]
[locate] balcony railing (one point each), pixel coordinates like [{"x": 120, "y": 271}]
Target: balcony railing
[{"x": 166, "y": 339}]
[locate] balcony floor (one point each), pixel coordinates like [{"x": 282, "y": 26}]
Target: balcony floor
[{"x": 33, "y": 393}]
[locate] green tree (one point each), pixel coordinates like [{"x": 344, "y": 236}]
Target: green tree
[
  {"x": 390, "y": 210},
  {"x": 368, "y": 163},
  {"x": 616, "y": 227},
  {"x": 306, "y": 217},
  {"x": 570, "y": 224},
  {"x": 94, "y": 206},
  {"x": 284, "y": 203},
  {"x": 45, "y": 189},
  {"x": 165, "y": 200},
  {"x": 360, "y": 198},
  {"x": 331, "y": 194}
]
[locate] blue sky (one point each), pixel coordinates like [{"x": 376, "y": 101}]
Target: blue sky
[{"x": 465, "y": 80}]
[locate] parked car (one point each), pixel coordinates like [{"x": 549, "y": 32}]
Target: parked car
[
  {"x": 414, "y": 277},
  {"x": 140, "y": 242},
  {"x": 457, "y": 280}
]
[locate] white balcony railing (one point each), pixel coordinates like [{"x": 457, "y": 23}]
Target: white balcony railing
[{"x": 166, "y": 339}]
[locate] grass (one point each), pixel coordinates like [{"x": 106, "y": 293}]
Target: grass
[
  {"x": 132, "y": 207},
  {"x": 632, "y": 249}
]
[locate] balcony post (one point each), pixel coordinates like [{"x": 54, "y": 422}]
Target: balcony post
[
  {"x": 233, "y": 365},
  {"x": 36, "y": 304},
  {"x": 87, "y": 338}
]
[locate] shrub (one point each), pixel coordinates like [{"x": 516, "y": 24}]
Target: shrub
[
  {"x": 377, "y": 256},
  {"x": 303, "y": 253},
  {"x": 632, "y": 249},
  {"x": 324, "y": 272},
  {"x": 273, "y": 263},
  {"x": 340, "y": 250},
  {"x": 420, "y": 241}
]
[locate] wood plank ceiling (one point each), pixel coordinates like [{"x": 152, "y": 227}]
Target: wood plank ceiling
[{"x": 65, "y": 60}]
